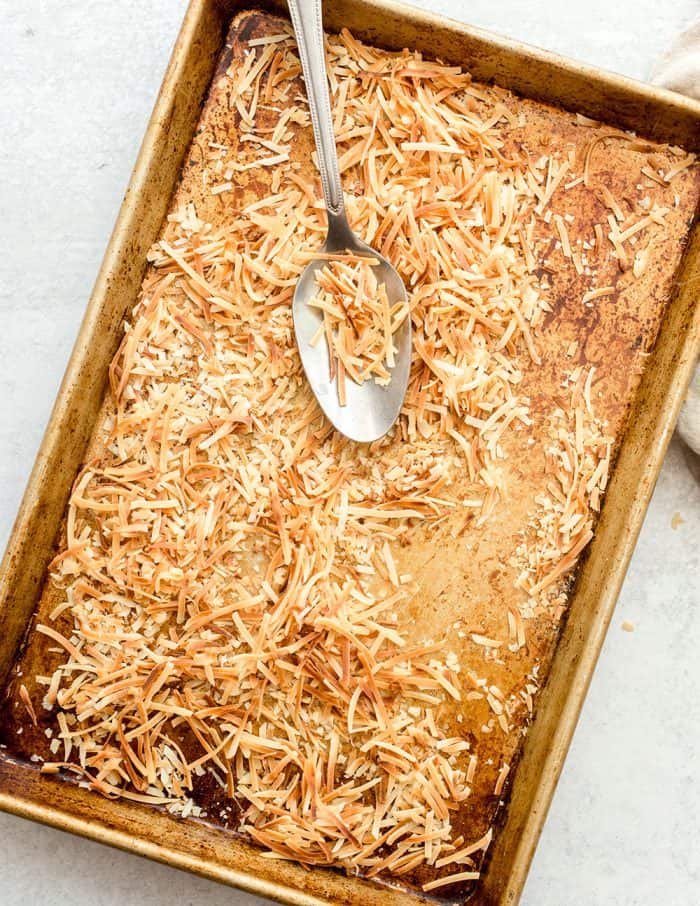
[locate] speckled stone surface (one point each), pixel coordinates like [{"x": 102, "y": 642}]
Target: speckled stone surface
[{"x": 78, "y": 82}]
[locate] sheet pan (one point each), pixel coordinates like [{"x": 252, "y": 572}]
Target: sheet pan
[{"x": 197, "y": 846}]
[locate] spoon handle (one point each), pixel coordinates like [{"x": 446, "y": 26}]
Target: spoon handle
[{"x": 308, "y": 28}]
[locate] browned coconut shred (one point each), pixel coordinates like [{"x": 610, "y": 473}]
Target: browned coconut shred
[{"x": 230, "y": 563}]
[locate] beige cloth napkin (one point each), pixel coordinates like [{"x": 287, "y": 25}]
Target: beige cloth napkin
[{"x": 679, "y": 69}]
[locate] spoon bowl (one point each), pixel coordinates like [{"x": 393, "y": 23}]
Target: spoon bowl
[{"x": 371, "y": 409}]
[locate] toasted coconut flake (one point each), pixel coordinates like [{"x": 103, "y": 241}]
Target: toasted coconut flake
[
  {"x": 456, "y": 878},
  {"x": 462, "y": 855},
  {"x": 500, "y": 782},
  {"x": 597, "y": 293},
  {"x": 27, "y": 702},
  {"x": 485, "y": 641}
]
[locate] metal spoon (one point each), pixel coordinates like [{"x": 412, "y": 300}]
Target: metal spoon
[{"x": 370, "y": 409}]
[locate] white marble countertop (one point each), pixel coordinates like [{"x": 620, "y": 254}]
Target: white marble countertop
[{"x": 78, "y": 81}]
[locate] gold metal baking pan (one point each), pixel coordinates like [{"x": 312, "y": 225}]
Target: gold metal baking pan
[{"x": 195, "y": 845}]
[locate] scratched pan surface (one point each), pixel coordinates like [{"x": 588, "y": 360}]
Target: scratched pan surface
[{"x": 206, "y": 849}]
